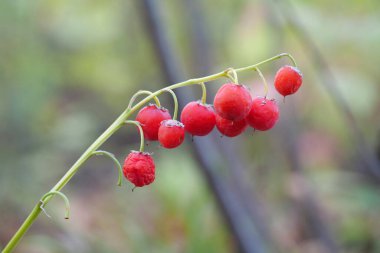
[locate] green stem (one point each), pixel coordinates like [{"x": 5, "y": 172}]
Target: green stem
[
  {"x": 22, "y": 230},
  {"x": 110, "y": 131},
  {"x": 276, "y": 57},
  {"x": 116, "y": 162},
  {"x": 63, "y": 196},
  {"x": 142, "y": 92},
  {"x": 136, "y": 123},
  {"x": 233, "y": 77},
  {"x": 175, "y": 113},
  {"x": 264, "y": 81},
  {"x": 204, "y": 92}
]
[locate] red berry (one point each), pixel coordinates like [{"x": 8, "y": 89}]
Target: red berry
[
  {"x": 233, "y": 101},
  {"x": 230, "y": 128},
  {"x": 288, "y": 80},
  {"x": 198, "y": 118},
  {"x": 171, "y": 133},
  {"x": 150, "y": 118},
  {"x": 264, "y": 114},
  {"x": 139, "y": 168}
]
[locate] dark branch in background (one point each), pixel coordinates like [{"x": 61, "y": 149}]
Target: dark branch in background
[
  {"x": 246, "y": 235},
  {"x": 308, "y": 205},
  {"x": 236, "y": 166},
  {"x": 367, "y": 154},
  {"x": 242, "y": 185},
  {"x": 201, "y": 50}
]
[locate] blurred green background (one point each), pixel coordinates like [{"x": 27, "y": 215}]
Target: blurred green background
[{"x": 69, "y": 68}]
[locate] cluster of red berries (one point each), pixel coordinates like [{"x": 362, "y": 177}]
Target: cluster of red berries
[{"x": 233, "y": 110}]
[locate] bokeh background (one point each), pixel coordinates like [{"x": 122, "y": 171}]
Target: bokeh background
[{"x": 69, "y": 68}]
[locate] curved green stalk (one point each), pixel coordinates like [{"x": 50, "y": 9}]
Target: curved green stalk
[
  {"x": 264, "y": 81},
  {"x": 175, "y": 100},
  {"x": 233, "y": 77},
  {"x": 142, "y": 92},
  {"x": 63, "y": 196},
  {"x": 116, "y": 162},
  {"x": 204, "y": 93},
  {"x": 110, "y": 131},
  {"x": 276, "y": 57},
  {"x": 136, "y": 123}
]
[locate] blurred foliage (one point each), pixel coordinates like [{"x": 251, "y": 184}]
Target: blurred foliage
[{"x": 68, "y": 68}]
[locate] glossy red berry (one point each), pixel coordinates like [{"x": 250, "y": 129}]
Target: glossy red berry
[
  {"x": 232, "y": 101},
  {"x": 150, "y": 118},
  {"x": 230, "y": 128},
  {"x": 198, "y": 118},
  {"x": 288, "y": 80},
  {"x": 264, "y": 114},
  {"x": 139, "y": 168},
  {"x": 171, "y": 133}
]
